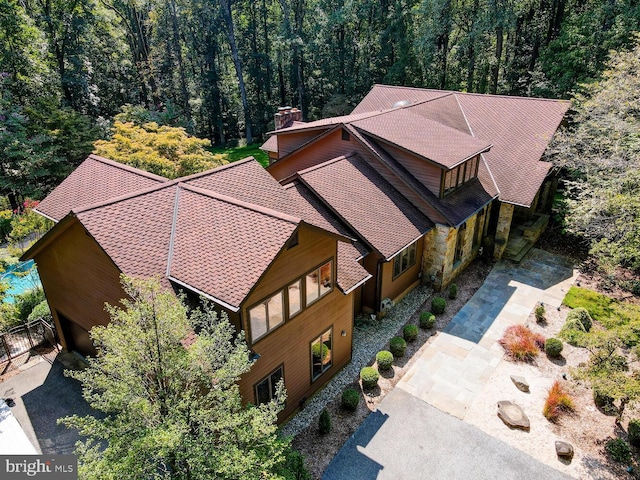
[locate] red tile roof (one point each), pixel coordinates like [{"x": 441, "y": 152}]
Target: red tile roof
[
  {"x": 362, "y": 198},
  {"x": 96, "y": 179},
  {"x": 222, "y": 246}
]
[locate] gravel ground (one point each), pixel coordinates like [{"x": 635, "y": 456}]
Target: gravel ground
[{"x": 368, "y": 339}]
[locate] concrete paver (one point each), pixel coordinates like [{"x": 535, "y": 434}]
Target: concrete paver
[
  {"x": 419, "y": 432},
  {"x": 460, "y": 360}
]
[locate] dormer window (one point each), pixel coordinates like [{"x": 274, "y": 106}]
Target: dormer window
[{"x": 458, "y": 176}]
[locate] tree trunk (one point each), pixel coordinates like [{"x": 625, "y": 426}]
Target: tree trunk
[
  {"x": 495, "y": 70},
  {"x": 178, "y": 56},
  {"x": 227, "y": 16}
]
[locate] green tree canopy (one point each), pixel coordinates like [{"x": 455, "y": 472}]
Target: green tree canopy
[
  {"x": 163, "y": 150},
  {"x": 171, "y": 410},
  {"x": 601, "y": 152}
]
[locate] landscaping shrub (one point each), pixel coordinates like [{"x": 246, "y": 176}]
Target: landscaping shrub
[
  {"x": 605, "y": 402},
  {"x": 27, "y": 301},
  {"x": 427, "y": 320},
  {"x": 634, "y": 432},
  {"x": 619, "y": 450},
  {"x": 369, "y": 377},
  {"x": 540, "y": 312},
  {"x": 553, "y": 347},
  {"x": 573, "y": 331},
  {"x": 438, "y": 304},
  {"x": 453, "y": 291},
  {"x": 384, "y": 359},
  {"x": 294, "y": 466},
  {"x": 410, "y": 333},
  {"x": 521, "y": 344},
  {"x": 397, "y": 346},
  {"x": 40, "y": 311},
  {"x": 350, "y": 399},
  {"x": 580, "y": 315},
  {"x": 324, "y": 424},
  {"x": 558, "y": 402}
]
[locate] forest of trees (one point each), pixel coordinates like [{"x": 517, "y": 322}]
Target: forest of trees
[{"x": 221, "y": 68}]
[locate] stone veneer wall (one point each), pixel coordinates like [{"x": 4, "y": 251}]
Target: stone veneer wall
[
  {"x": 502, "y": 229},
  {"x": 439, "y": 250}
]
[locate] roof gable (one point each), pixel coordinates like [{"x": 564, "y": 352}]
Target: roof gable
[
  {"x": 96, "y": 179},
  {"x": 222, "y": 247},
  {"x": 368, "y": 203},
  {"x": 421, "y": 136}
]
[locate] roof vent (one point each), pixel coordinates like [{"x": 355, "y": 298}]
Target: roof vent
[{"x": 401, "y": 103}]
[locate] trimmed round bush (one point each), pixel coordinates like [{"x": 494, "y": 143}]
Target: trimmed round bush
[
  {"x": 540, "y": 313},
  {"x": 453, "y": 291},
  {"x": 384, "y": 359},
  {"x": 410, "y": 333},
  {"x": 397, "y": 346},
  {"x": 553, "y": 347},
  {"x": 580, "y": 315},
  {"x": 350, "y": 399},
  {"x": 324, "y": 424},
  {"x": 427, "y": 320},
  {"x": 369, "y": 377},
  {"x": 438, "y": 304},
  {"x": 634, "y": 432}
]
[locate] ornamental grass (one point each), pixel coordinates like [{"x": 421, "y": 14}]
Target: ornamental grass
[
  {"x": 558, "y": 402},
  {"x": 522, "y": 344}
]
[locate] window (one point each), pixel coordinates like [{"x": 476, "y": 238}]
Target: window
[
  {"x": 404, "y": 260},
  {"x": 302, "y": 292},
  {"x": 318, "y": 283},
  {"x": 321, "y": 349},
  {"x": 295, "y": 298},
  {"x": 266, "y": 389},
  {"x": 462, "y": 231},
  {"x": 266, "y": 316},
  {"x": 459, "y": 175}
]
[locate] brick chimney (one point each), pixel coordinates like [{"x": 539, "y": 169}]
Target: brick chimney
[{"x": 286, "y": 116}]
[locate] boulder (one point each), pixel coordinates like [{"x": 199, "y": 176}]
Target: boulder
[
  {"x": 521, "y": 383},
  {"x": 564, "y": 449},
  {"x": 512, "y": 415}
]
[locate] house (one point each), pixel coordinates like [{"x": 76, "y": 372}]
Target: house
[
  {"x": 449, "y": 175},
  {"x": 350, "y": 215},
  {"x": 286, "y": 281}
]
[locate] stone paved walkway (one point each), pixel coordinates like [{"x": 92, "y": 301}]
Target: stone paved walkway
[{"x": 454, "y": 368}]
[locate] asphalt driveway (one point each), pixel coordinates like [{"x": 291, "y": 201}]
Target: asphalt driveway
[
  {"x": 409, "y": 439},
  {"x": 42, "y": 394}
]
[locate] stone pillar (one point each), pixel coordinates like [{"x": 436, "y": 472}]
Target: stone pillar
[
  {"x": 438, "y": 255},
  {"x": 502, "y": 229}
]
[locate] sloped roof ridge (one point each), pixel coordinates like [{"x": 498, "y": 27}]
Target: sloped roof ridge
[
  {"x": 214, "y": 170},
  {"x": 128, "y": 168},
  {"x": 299, "y": 173},
  {"x": 126, "y": 196},
  {"x": 516, "y": 97},
  {"x": 234, "y": 201}
]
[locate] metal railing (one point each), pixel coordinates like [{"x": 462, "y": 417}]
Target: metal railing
[{"x": 21, "y": 339}]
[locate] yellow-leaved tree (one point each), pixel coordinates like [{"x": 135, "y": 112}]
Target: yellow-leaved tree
[{"x": 163, "y": 150}]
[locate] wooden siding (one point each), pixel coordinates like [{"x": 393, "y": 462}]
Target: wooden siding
[
  {"x": 393, "y": 288},
  {"x": 289, "y": 142},
  {"x": 426, "y": 173},
  {"x": 78, "y": 278},
  {"x": 289, "y": 344},
  {"x": 330, "y": 147}
]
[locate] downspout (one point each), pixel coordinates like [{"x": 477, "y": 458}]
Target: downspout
[{"x": 378, "y": 298}]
